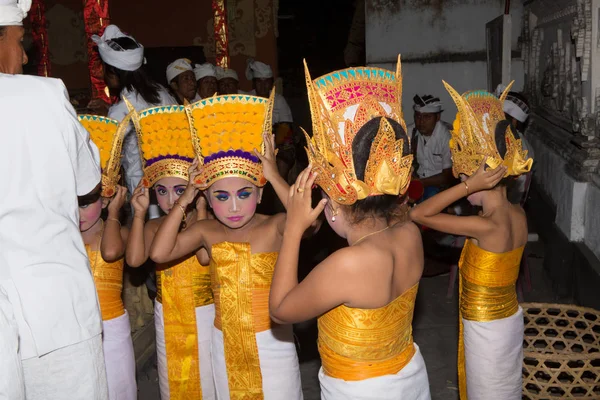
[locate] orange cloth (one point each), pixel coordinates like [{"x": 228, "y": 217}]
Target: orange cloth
[
  {"x": 108, "y": 278},
  {"x": 241, "y": 283},
  {"x": 357, "y": 344},
  {"x": 487, "y": 292}
]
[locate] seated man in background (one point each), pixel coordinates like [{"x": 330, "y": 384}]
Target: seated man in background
[
  {"x": 430, "y": 146},
  {"x": 182, "y": 81},
  {"x": 228, "y": 81}
]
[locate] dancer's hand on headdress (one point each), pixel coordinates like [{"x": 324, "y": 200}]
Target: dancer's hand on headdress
[
  {"x": 300, "y": 214},
  {"x": 484, "y": 179},
  {"x": 116, "y": 203},
  {"x": 269, "y": 159},
  {"x": 140, "y": 199},
  {"x": 193, "y": 187}
]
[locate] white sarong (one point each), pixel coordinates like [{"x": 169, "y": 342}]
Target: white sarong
[
  {"x": 410, "y": 383},
  {"x": 119, "y": 358},
  {"x": 12, "y": 386},
  {"x": 75, "y": 372},
  {"x": 494, "y": 358},
  {"x": 278, "y": 364},
  {"x": 205, "y": 317}
]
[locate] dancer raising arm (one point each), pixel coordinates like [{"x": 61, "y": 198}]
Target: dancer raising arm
[
  {"x": 486, "y": 156},
  {"x": 364, "y": 294}
]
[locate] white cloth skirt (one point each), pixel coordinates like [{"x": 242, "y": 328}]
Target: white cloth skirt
[
  {"x": 205, "y": 318},
  {"x": 494, "y": 358},
  {"x": 278, "y": 364},
  {"x": 410, "y": 383},
  {"x": 119, "y": 358},
  {"x": 12, "y": 386}
]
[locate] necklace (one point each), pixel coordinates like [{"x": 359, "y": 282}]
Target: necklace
[{"x": 369, "y": 234}]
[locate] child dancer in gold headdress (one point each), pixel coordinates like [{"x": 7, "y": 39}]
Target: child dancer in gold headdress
[
  {"x": 184, "y": 307},
  {"x": 485, "y": 153},
  {"x": 365, "y": 293},
  {"x": 105, "y": 240},
  {"x": 253, "y": 358}
]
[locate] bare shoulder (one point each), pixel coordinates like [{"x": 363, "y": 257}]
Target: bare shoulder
[
  {"x": 348, "y": 260},
  {"x": 153, "y": 224},
  {"x": 407, "y": 232},
  {"x": 270, "y": 220}
]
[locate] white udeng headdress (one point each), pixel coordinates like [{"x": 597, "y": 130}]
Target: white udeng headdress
[
  {"x": 178, "y": 67},
  {"x": 204, "y": 70},
  {"x": 12, "y": 12},
  {"x": 126, "y": 60},
  {"x": 257, "y": 69}
]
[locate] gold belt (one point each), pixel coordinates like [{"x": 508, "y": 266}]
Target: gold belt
[
  {"x": 260, "y": 310},
  {"x": 203, "y": 294},
  {"x": 341, "y": 367}
]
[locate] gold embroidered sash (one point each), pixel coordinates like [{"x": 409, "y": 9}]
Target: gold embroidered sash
[
  {"x": 181, "y": 288},
  {"x": 241, "y": 282},
  {"x": 357, "y": 344},
  {"x": 487, "y": 292},
  {"x": 108, "y": 278}
]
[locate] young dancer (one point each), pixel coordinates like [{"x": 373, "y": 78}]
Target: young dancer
[
  {"x": 364, "y": 294},
  {"x": 105, "y": 239},
  {"x": 184, "y": 308},
  {"x": 486, "y": 155},
  {"x": 253, "y": 358}
]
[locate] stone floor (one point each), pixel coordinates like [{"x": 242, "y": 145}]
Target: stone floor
[{"x": 435, "y": 331}]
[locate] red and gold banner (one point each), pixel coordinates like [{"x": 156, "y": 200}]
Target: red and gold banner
[
  {"x": 39, "y": 32},
  {"x": 221, "y": 33},
  {"x": 96, "y": 18}
]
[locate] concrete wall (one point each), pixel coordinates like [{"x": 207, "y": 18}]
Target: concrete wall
[{"x": 437, "y": 40}]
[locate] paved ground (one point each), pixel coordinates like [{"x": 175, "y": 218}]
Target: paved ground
[{"x": 435, "y": 331}]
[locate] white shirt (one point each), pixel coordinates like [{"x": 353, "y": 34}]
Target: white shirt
[
  {"x": 46, "y": 160},
  {"x": 131, "y": 160},
  {"x": 433, "y": 152},
  {"x": 281, "y": 109}
]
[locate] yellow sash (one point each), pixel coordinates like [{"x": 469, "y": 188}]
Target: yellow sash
[
  {"x": 108, "y": 278},
  {"x": 487, "y": 292},
  {"x": 181, "y": 288},
  {"x": 357, "y": 344},
  {"x": 241, "y": 282}
]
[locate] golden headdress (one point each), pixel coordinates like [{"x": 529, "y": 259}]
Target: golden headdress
[
  {"x": 165, "y": 143},
  {"x": 107, "y": 134},
  {"x": 473, "y": 134},
  {"x": 225, "y": 131},
  {"x": 341, "y": 103}
]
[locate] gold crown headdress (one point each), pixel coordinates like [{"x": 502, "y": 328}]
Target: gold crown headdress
[
  {"x": 107, "y": 134},
  {"x": 341, "y": 103},
  {"x": 473, "y": 134},
  {"x": 225, "y": 131},
  {"x": 165, "y": 143}
]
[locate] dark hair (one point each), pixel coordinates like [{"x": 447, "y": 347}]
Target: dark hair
[
  {"x": 91, "y": 197},
  {"x": 384, "y": 206},
  {"x": 137, "y": 80},
  {"x": 2, "y": 30},
  {"x": 500, "y": 141}
]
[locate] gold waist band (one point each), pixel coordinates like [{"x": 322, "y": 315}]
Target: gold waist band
[
  {"x": 111, "y": 304},
  {"x": 203, "y": 294},
  {"x": 341, "y": 367},
  {"x": 483, "y": 303},
  {"x": 260, "y": 310}
]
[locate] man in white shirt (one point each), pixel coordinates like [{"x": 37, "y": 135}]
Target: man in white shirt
[
  {"x": 430, "y": 145},
  {"x": 50, "y": 326}
]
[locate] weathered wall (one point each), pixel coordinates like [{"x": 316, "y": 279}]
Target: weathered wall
[
  {"x": 562, "y": 63},
  {"x": 253, "y": 27},
  {"x": 438, "y": 39}
]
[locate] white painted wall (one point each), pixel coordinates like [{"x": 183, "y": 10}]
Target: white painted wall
[{"x": 415, "y": 30}]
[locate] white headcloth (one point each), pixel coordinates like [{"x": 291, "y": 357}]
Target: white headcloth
[
  {"x": 256, "y": 69},
  {"x": 13, "y": 12},
  {"x": 204, "y": 70},
  {"x": 177, "y": 67},
  {"x": 113, "y": 54}
]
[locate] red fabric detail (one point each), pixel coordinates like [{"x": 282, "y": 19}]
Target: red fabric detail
[
  {"x": 96, "y": 19},
  {"x": 39, "y": 32}
]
